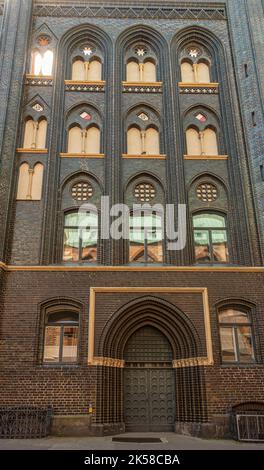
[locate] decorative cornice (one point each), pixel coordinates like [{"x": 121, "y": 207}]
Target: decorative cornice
[
  {"x": 199, "y": 89},
  {"x": 191, "y": 362},
  {"x": 152, "y": 12},
  {"x": 38, "y": 80},
  {"x": 176, "y": 364},
  {"x": 107, "y": 362},
  {"x": 72, "y": 85},
  {"x": 133, "y": 87}
]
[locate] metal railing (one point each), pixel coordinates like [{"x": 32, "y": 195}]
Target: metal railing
[
  {"x": 248, "y": 426},
  {"x": 25, "y": 422}
]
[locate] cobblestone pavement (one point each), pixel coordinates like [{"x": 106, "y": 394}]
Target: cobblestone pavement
[{"x": 170, "y": 441}]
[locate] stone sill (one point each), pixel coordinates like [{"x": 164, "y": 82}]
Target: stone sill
[
  {"x": 44, "y": 77},
  {"x": 147, "y": 84},
  {"x": 82, "y": 155},
  {"x": 22, "y": 150},
  {"x": 205, "y": 157},
  {"x": 158, "y": 157},
  {"x": 82, "y": 82},
  {"x": 198, "y": 85}
]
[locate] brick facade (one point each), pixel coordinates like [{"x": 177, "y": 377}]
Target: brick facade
[{"x": 32, "y": 274}]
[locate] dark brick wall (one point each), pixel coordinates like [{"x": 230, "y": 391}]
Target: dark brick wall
[
  {"x": 70, "y": 389},
  {"x": 114, "y": 173},
  {"x": 30, "y": 231}
]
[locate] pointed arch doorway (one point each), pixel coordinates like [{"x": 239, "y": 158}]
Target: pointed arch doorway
[{"x": 149, "y": 382}]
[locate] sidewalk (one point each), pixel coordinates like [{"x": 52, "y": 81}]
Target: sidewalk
[{"x": 169, "y": 441}]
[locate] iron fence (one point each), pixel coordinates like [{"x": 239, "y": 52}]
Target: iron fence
[
  {"x": 25, "y": 422},
  {"x": 248, "y": 426}
]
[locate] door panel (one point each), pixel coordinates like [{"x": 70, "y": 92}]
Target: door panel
[
  {"x": 149, "y": 387},
  {"x": 149, "y": 399}
]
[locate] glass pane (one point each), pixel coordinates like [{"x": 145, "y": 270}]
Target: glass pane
[
  {"x": 47, "y": 63},
  {"x": 227, "y": 344},
  {"x": 71, "y": 244},
  {"x": 219, "y": 242},
  {"x": 208, "y": 220},
  {"x": 154, "y": 246},
  {"x": 70, "y": 342},
  {"x": 81, "y": 219},
  {"x": 137, "y": 235},
  {"x": 146, "y": 220},
  {"x": 52, "y": 344},
  {"x": 244, "y": 336},
  {"x": 89, "y": 245},
  {"x": 63, "y": 317},
  {"x": 136, "y": 252},
  {"x": 37, "y": 63},
  {"x": 201, "y": 242},
  {"x": 233, "y": 316}
]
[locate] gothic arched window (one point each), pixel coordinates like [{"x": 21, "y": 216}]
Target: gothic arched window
[
  {"x": 146, "y": 237},
  {"x": 85, "y": 141},
  {"x": 143, "y": 142},
  {"x": 86, "y": 70},
  {"x": 35, "y": 133},
  {"x": 42, "y": 62},
  {"x": 30, "y": 182},
  {"x": 195, "y": 63},
  {"x": 202, "y": 132},
  {"x": 80, "y": 237},
  {"x": 210, "y": 238},
  {"x": 201, "y": 142},
  {"x": 141, "y": 64}
]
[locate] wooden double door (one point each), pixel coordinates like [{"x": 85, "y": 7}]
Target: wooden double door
[{"x": 149, "y": 383}]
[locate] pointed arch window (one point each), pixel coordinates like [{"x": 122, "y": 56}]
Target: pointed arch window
[
  {"x": 84, "y": 140},
  {"x": 141, "y": 71},
  {"x": 80, "y": 237},
  {"x": 146, "y": 237},
  {"x": 35, "y": 134},
  {"x": 236, "y": 335},
  {"x": 86, "y": 70},
  {"x": 201, "y": 142},
  {"x": 195, "y": 72},
  {"x": 145, "y": 142},
  {"x": 30, "y": 182},
  {"x": 210, "y": 238},
  {"x": 42, "y": 62}
]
